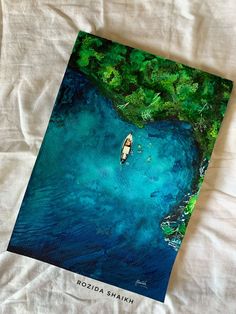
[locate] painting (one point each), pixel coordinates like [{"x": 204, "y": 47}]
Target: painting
[{"x": 121, "y": 165}]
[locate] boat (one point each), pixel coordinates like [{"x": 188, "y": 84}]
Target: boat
[{"x": 126, "y": 148}]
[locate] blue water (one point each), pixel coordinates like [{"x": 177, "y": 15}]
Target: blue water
[{"x": 85, "y": 212}]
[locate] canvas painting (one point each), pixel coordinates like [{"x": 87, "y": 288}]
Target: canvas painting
[{"x": 121, "y": 165}]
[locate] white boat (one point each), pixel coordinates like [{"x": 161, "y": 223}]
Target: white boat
[{"x": 126, "y": 148}]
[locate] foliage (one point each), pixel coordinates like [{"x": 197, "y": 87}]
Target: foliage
[
  {"x": 145, "y": 88},
  {"x": 155, "y": 88},
  {"x": 190, "y": 206}
]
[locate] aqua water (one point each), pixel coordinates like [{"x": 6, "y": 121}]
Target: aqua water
[{"x": 85, "y": 212}]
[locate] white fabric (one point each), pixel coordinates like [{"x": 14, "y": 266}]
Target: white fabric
[{"x": 36, "y": 40}]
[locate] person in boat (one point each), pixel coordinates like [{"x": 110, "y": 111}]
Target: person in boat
[
  {"x": 128, "y": 142},
  {"x": 126, "y": 150}
]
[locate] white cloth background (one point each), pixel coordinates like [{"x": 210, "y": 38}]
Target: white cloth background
[{"x": 36, "y": 40}]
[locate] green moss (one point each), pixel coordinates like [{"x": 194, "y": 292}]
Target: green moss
[
  {"x": 191, "y": 204},
  {"x": 167, "y": 230},
  {"x": 182, "y": 229}
]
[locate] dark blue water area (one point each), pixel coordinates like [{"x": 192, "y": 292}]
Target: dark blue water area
[{"x": 87, "y": 213}]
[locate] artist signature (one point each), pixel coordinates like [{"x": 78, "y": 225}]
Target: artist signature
[{"x": 141, "y": 283}]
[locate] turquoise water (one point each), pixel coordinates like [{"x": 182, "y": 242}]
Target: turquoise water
[{"x": 86, "y": 212}]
